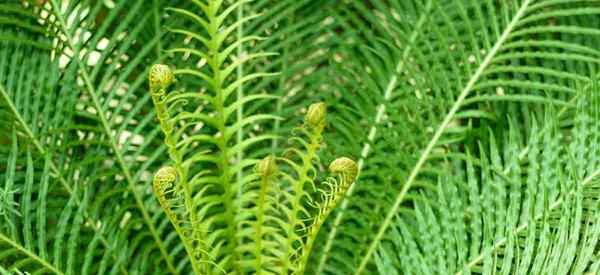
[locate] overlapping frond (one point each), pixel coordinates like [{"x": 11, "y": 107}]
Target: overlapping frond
[
  {"x": 76, "y": 207},
  {"x": 38, "y": 203},
  {"x": 524, "y": 206},
  {"x": 473, "y": 123},
  {"x": 437, "y": 73}
]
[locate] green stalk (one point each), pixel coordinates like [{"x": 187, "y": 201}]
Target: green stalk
[
  {"x": 219, "y": 102},
  {"x": 298, "y": 187},
  {"x": 240, "y": 92},
  {"x": 260, "y": 220},
  {"x": 160, "y": 78}
]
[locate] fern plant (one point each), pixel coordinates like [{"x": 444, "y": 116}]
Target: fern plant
[
  {"x": 277, "y": 213},
  {"x": 204, "y": 137}
]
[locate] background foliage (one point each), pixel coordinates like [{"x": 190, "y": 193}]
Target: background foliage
[{"x": 474, "y": 124}]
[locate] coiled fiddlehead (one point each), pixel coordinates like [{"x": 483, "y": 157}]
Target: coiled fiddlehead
[
  {"x": 346, "y": 167},
  {"x": 267, "y": 167},
  {"x": 160, "y": 78},
  {"x": 315, "y": 116},
  {"x": 164, "y": 181},
  {"x": 332, "y": 192},
  {"x": 170, "y": 183}
]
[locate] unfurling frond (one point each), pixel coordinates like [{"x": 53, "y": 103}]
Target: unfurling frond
[
  {"x": 164, "y": 180},
  {"x": 267, "y": 167},
  {"x": 297, "y": 137},
  {"x": 315, "y": 116},
  {"x": 346, "y": 167},
  {"x": 332, "y": 192}
]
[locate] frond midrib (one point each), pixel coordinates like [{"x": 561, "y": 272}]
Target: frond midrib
[
  {"x": 438, "y": 133},
  {"x": 364, "y": 153},
  {"x": 30, "y": 254}
]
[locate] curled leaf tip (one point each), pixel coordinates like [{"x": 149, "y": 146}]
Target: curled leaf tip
[
  {"x": 315, "y": 116},
  {"x": 164, "y": 177},
  {"x": 267, "y": 167},
  {"x": 346, "y": 166},
  {"x": 161, "y": 76}
]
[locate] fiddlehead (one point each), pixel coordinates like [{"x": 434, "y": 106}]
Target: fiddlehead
[
  {"x": 170, "y": 183},
  {"x": 315, "y": 116},
  {"x": 165, "y": 190},
  {"x": 267, "y": 167},
  {"x": 209, "y": 142},
  {"x": 160, "y": 78},
  {"x": 346, "y": 168},
  {"x": 332, "y": 191}
]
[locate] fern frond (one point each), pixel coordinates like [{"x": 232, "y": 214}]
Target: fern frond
[
  {"x": 551, "y": 230},
  {"x": 331, "y": 195},
  {"x": 450, "y": 42},
  {"x": 34, "y": 171},
  {"x": 208, "y": 143}
]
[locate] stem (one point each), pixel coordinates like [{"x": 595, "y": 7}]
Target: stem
[
  {"x": 260, "y": 220},
  {"x": 176, "y": 156},
  {"x": 223, "y": 161},
  {"x": 311, "y": 154}
]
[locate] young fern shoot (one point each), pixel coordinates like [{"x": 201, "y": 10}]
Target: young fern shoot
[
  {"x": 170, "y": 183},
  {"x": 281, "y": 208},
  {"x": 230, "y": 218}
]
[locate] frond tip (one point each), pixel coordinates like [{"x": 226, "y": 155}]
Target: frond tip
[
  {"x": 164, "y": 179},
  {"x": 345, "y": 166},
  {"x": 267, "y": 167},
  {"x": 161, "y": 77},
  {"x": 315, "y": 116}
]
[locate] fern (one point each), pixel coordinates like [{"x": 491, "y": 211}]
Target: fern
[
  {"x": 281, "y": 221},
  {"x": 204, "y": 137}
]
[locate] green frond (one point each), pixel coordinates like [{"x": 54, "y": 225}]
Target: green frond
[
  {"x": 549, "y": 230},
  {"x": 425, "y": 64},
  {"x": 469, "y": 131}
]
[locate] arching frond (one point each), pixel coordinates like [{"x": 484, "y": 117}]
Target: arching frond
[
  {"x": 528, "y": 208},
  {"x": 473, "y": 124},
  {"x": 455, "y": 67}
]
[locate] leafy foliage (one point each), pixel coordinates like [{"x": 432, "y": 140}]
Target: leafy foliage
[{"x": 474, "y": 126}]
